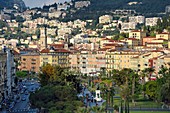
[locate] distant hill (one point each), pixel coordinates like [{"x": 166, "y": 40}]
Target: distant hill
[
  {"x": 10, "y": 4},
  {"x": 99, "y": 7}
]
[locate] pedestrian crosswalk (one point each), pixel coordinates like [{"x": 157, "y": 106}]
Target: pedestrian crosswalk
[{"x": 24, "y": 111}]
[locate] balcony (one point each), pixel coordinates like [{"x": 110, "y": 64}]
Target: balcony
[
  {"x": 83, "y": 58},
  {"x": 33, "y": 59}
]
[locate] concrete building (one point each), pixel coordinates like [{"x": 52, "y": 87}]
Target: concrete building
[
  {"x": 131, "y": 42},
  {"x": 30, "y": 62},
  {"x": 105, "y": 19},
  {"x": 138, "y": 35},
  {"x": 55, "y": 57},
  {"x": 80, "y": 4},
  {"x": 7, "y": 74},
  {"x": 167, "y": 9},
  {"x": 55, "y": 14},
  {"x": 128, "y": 26},
  {"x": 119, "y": 59},
  {"x": 3, "y": 76},
  {"x": 151, "y": 21},
  {"x": 125, "y": 12},
  {"x": 165, "y": 36},
  {"x": 146, "y": 40},
  {"x": 137, "y": 19}
]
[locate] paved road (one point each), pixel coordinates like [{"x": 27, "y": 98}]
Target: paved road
[{"x": 23, "y": 106}]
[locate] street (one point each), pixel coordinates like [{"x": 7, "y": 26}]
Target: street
[{"x": 21, "y": 104}]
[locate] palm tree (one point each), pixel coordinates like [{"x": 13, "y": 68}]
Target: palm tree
[
  {"x": 133, "y": 78},
  {"x": 109, "y": 92},
  {"x": 83, "y": 110},
  {"x": 97, "y": 109},
  {"x": 163, "y": 84},
  {"x": 124, "y": 88},
  {"x": 146, "y": 73}
]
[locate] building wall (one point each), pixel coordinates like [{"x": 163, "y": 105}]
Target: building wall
[
  {"x": 7, "y": 74},
  {"x": 147, "y": 40},
  {"x": 3, "y": 75},
  {"x": 119, "y": 60},
  {"x": 30, "y": 62},
  {"x": 165, "y": 36}
]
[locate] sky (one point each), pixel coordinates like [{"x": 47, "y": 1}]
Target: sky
[{"x": 40, "y": 3}]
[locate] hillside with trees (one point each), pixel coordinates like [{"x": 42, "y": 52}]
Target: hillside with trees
[
  {"x": 10, "y": 4},
  {"x": 100, "y": 7}
]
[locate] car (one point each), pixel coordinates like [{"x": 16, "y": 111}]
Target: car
[
  {"x": 23, "y": 98},
  {"x": 22, "y": 91},
  {"x": 12, "y": 105},
  {"x": 26, "y": 92},
  {"x": 32, "y": 83}
]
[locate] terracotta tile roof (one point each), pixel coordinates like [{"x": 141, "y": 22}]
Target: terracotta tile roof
[
  {"x": 135, "y": 31},
  {"x": 160, "y": 39},
  {"x": 154, "y": 43},
  {"x": 16, "y": 53},
  {"x": 45, "y": 51},
  {"x": 62, "y": 51},
  {"x": 135, "y": 57},
  {"x": 55, "y": 51},
  {"x": 57, "y": 45},
  {"x": 102, "y": 49},
  {"x": 132, "y": 39},
  {"x": 112, "y": 50},
  {"x": 107, "y": 39},
  {"x": 156, "y": 51},
  {"x": 164, "y": 33},
  {"x": 147, "y": 54}
]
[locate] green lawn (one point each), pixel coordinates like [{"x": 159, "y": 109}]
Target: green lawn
[{"x": 149, "y": 112}]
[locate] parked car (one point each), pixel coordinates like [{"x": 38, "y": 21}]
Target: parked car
[
  {"x": 23, "y": 98},
  {"x": 22, "y": 91},
  {"x": 26, "y": 92}
]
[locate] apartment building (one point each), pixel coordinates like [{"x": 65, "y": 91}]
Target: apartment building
[
  {"x": 7, "y": 74},
  {"x": 87, "y": 61},
  {"x": 146, "y": 40},
  {"x": 128, "y": 25},
  {"x": 119, "y": 59},
  {"x": 138, "y": 35},
  {"x": 131, "y": 42},
  {"x": 105, "y": 19},
  {"x": 3, "y": 76},
  {"x": 137, "y": 19},
  {"x": 165, "y": 36},
  {"x": 55, "y": 57},
  {"x": 80, "y": 4},
  {"x": 145, "y": 60},
  {"x": 30, "y": 62},
  {"x": 151, "y": 21}
]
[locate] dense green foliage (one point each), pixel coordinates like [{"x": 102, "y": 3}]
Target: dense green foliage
[
  {"x": 10, "y": 3},
  {"x": 100, "y": 7},
  {"x": 162, "y": 24},
  {"x": 2, "y": 24},
  {"x": 59, "y": 90},
  {"x": 21, "y": 74},
  {"x": 58, "y": 99}
]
